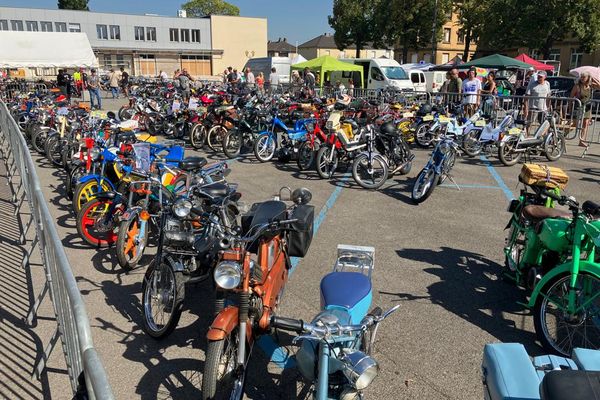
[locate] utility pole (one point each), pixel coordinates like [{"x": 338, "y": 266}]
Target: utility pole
[{"x": 433, "y": 33}]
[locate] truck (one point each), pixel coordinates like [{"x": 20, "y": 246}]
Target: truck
[
  {"x": 264, "y": 64},
  {"x": 381, "y": 73}
]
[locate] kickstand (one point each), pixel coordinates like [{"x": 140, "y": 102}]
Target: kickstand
[
  {"x": 585, "y": 152},
  {"x": 453, "y": 181}
]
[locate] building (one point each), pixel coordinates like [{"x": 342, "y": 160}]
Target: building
[
  {"x": 147, "y": 44},
  {"x": 451, "y": 45},
  {"x": 325, "y": 45},
  {"x": 566, "y": 55},
  {"x": 281, "y": 48}
]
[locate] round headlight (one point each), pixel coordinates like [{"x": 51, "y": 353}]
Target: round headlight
[
  {"x": 360, "y": 369},
  {"x": 182, "y": 208},
  {"x": 95, "y": 154},
  {"x": 228, "y": 274}
]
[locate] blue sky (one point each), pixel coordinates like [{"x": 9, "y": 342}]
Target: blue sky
[{"x": 296, "y": 20}]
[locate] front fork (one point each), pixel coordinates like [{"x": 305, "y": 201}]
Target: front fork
[
  {"x": 577, "y": 235},
  {"x": 323, "y": 368}
]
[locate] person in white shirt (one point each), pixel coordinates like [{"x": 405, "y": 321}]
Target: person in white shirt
[
  {"x": 250, "y": 79},
  {"x": 273, "y": 79},
  {"x": 471, "y": 88},
  {"x": 163, "y": 76}
]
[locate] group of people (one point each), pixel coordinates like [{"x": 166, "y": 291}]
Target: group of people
[{"x": 79, "y": 81}]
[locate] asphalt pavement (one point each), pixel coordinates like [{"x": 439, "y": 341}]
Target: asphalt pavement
[{"x": 441, "y": 261}]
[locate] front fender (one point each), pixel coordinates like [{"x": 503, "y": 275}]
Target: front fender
[
  {"x": 224, "y": 323},
  {"x": 87, "y": 178},
  {"x": 584, "y": 266}
]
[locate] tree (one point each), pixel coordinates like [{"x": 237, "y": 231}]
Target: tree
[
  {"x": 73, "y": 5},
  {"x": 471, "y": 17},
  {"x": 202, "y": 8},
  {"x": 352, "y": 21}
]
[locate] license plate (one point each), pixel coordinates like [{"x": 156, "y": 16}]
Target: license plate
[
  {"x": 480, "y": 123},
  {"x": 428, "y": 118},
  {"x": 407, "y": 115},
  {"x": 514, "y": 131},
  {"x": 444, "y": 119}
]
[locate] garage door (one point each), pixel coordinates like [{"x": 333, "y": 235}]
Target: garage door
[
  {"x": 147, "y": 65},
  {"x": 196, "y": 65}
]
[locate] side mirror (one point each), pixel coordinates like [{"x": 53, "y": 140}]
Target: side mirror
[
  {"x": 111, "y": 115},
  {"x": 301, "y": 196}
]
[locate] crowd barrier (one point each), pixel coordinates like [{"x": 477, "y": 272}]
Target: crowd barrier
[
  {"x": 86, "y": 372},
  {"x": 12, "y": 89}
]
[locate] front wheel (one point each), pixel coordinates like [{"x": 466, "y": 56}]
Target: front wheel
[
  {"x": 232, "y": 143},
  {"x": 369, "y": 174},
  {"x": 472, "y": 145},
  {"x": 215, "y": 138},
  {"x": 423, "y": 136},
  {"x": 163, "y": 291},
  {"x": 507, "y": 153},
  {"x": 559, "y": 331},
  {"x": 132, "y": 241},
  {"x": 96, "y": 223},
  {"x": 424, "y": 185},
  {"x": 306, "y": 156},
  {"x": 87, "y": 191},
  {"x": 554, "y": 146},
  {"x": 264, "y": 148},
  {"x": 326, "y": 162},
  {"x": 221, "y": 379},
  {"x": 198, "y": 136}
]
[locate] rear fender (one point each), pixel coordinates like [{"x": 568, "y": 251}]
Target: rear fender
[{"x": 224, "y": 323}]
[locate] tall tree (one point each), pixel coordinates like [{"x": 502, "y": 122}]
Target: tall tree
[
  {"x": 471, "y": 17},
  {"x": 352, "y": 21},
  {"x": 201, "y": 8},
  {"x": 73, "y": 5}
]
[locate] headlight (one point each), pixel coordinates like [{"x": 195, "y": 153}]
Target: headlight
[
  {"x": 182, "y": 208},
  {"x": 360, "y": 369},
  {"x": 95, "y": 154},
  {"x": 228, "y": 274}
]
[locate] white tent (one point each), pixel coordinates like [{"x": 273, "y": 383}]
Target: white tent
[{"x": 45, "y": 50}]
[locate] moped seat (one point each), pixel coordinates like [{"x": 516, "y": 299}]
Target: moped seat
[
  {"x": 571, "y": 384},
  {"x": 192, "y": 163},
  {"x": 539, "y": 213},
  {"x": 346, "y": 289},
  {"x": 591, "y": 208},
  {"x": 215, "y": 190}
]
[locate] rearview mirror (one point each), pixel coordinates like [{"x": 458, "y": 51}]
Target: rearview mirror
[
  {"x": 111, "y": 115},
  {"x": 301, "y": 196}
]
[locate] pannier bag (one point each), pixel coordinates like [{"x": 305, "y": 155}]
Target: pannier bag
[
  {"x": 301, "y": 232},
  {"x": 543, "y": 175}
]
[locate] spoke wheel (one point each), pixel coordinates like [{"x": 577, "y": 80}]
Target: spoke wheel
[
  {"x": 306, "y": 156},
  {"x": 198, "y": 136},
  {"x": 369, "y": 175},
  {"x": 95, "y": 223},
  {"x": 232, "y": 144},
  {"x": 131, "y": 242},
  {"x": 424, "y": 185},
  {"x": 221, "y": 379},
  {"x": 264, "y": 148},
  {"x": 216, "y": 134},
  {"x": 162, "y": 300}
]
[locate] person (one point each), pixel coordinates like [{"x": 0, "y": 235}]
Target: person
[
  {"x": 113, "y": 83},
  {"x": 125, "y": 81},
  {"x": 489, "y": 87},
  {"x": 77, "y": 82},
  {"x": 471, "y": 89},
  {"x": 444, "y": 87},
  {"x": 454, "y": 85},
  {"x": 309, "y": 78},
  {"x": 230, "y": 75},
  {"x": 184, "y": 83},
  {"x": 583, "y": 91},
  {"x": 163, "y": 76},
  {"x": 539, "y": 90},
  {"x": 250, "y": 79},
  {"x": 339, "y": 87},
  {"x": 260, "y": 83},
  {"x": 225, "y": 73},
  {"x": 296, "y": 79},
  {"x": 60, "y": 81},
  {"x": 273, "y": 80},
  {"x": 93, "y": 85},
  {"x": 350, "y": 87}
]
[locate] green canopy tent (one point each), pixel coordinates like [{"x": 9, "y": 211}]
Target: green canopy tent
[
  {"x": 496, "y": 61},
  {"x": 325, "y": 64}
]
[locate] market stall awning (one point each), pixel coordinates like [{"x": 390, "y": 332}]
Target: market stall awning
[
  {"x": 496, "y": 61},
  {"x": 456, "y": 62},
  {"x": 540, "y": 66},
  {"x": 327, "y": 64},
  {"x": 45, "y": 50}
]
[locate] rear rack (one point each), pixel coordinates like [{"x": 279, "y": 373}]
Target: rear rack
[{"x": 355, "y": 257}]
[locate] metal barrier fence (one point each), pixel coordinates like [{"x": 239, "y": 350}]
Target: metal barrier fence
[
  {"x": 72, "y": 324},
  {"x": 12, "y": 89}
]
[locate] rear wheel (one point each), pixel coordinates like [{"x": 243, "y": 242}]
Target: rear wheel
[
  {"x": 215, "y": 138},
  {"x": 232, "y": 143},
  {"x": 507, "y": 154},
  {"x": 326, "y": 162},
  {"x": 221, "y": 379},
  {"x": 424, "y": 185},
  {"x": 306, "y": 156},
  {"x": 198, "y": 136},
  {"x": 554, "y": 146},
  {"x": 96, "y": 223},
  {"x": 38, "y": 139},
  {"x": 132, "y": 241},
  {"x": 370, "y": 175},
  {"x": 472, "y": 145},
  {"x": 54, "y": 150}
]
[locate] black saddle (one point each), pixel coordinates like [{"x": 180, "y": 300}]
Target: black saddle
[{"x": 192, "y": 163}]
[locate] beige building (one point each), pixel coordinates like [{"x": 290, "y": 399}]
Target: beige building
[
  {"x": 240, "y": 38},
  {"x": 325, "y": 45}
]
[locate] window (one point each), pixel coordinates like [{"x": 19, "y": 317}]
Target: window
[
  {"x": 447, "y": 33},
  {"x": 102, "y": 32},
  {"x": 414, "y": 77},
  {"x": 151, "y": 34},
  {"x": 554, "y": 54},
  {"x": 373, "y": 54},
  {"x": 74, "y": 27},
  {"x": 3, "y": 25},
  {"x": 174, "y": 35},
  {"x": 460, "y": 37},
  {"x": 115, "y": 32},
  {"x": 16, "y": 25},
  {"x": 185, "y": 35},
  {"x": 46, "y": 26},
  {"x": 32, "y": 26},
  {"x": 445, "y": 58},
  {"x": 414, "y": 58},
  {"x": 576, "y": 56},
  {"x": 60, "y": 26},
  {"x": 376, "y": 74},
  {"x": 147, "y": 56},
  {"x": 120, "y": 60},
  {"x": 139, "y": 33},
  {"x": 196, "y": 35},
  {"x": 107, "y": 60}
]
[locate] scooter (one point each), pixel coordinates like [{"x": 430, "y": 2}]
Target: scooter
[
  {"x": 478, "y": 139},
  {"x": 509, "y": 373}
]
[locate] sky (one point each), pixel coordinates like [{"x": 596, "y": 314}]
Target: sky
[{"x": 296, "y": 20}]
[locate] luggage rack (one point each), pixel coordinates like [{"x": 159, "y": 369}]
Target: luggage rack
[{"x": 355, "y": 257}]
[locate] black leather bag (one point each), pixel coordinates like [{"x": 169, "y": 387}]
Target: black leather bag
[{"x": 301, "y": 232}]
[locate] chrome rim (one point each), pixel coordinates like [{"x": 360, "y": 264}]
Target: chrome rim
[{"x": 159, "y": 297}]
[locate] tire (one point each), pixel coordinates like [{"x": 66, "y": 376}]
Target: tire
[
  {"x": 407, "y": 153},
  {"x": 198, "y": 136},
  {"x": 125, "y": 113},
  {"x": 422, "y": 135},
  {"x": 152, "y": 126},
  {"x": 217, "y": 381},
  {"x": 129, "y": 249},
  {"x": 232, "y": 143},
  {"x": 169, "y": 300},
  {"x": 38, "y": 139},
  {"x": 215, "y": 137},
  {"x": 471, "y": 144},
  {"x": 506, "y": 154},
  {"x": 72, "y": 179},
  {"x": 424, "y": 185},
  {"x": 306, "y": 156},
  {"x": 264, "y": 148},
  {"x": 554, "y": 146},
  {"x": 582, "y": 327},
  {"x": 94, "y": 226},
  {"x": 87, "y": 191},
  {"x": 370, "y": 179},
  {"x": 325, "y": 167},
  {"x": 54, "y": 150}
]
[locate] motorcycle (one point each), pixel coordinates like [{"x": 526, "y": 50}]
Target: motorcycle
[
  {"x": 243, "y": 135},
  {"x": 509, "y": 373},
  {"x": 485, "y": 139},
  {"x": 273, "y": 232},
  {"x": 337, "y": 345},
  {"x": 266, "y": 144}
]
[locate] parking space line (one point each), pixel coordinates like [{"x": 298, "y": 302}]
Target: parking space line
[
  {"x": 471, "y": 186},
  {"x": 507, "y": 192}
]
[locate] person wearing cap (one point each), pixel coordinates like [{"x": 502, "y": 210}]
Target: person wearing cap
[
  {"x": 93, "y": 85},
  {"x": 539, "y": 91},
  {"x": 471, "y": 89}
]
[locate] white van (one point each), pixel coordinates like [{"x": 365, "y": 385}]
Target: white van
[
  {"x": 378, "y": 73},
  {"x": 264, "y": 64},
  {"x": 435, "y": 80}
]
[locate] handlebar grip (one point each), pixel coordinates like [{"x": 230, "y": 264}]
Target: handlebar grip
[{"x": 288, "y": 324}]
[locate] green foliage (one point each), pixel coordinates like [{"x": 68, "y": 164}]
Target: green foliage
[
  {"x": 353, "y": 21},
  {"x": 73, "y": 5},
  {"x": 201, "y": 8},
  {"x": 471, "y": 19}
]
